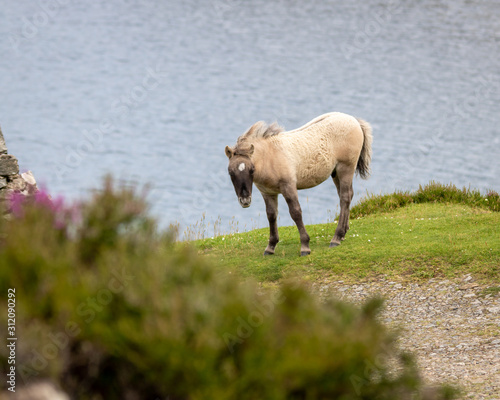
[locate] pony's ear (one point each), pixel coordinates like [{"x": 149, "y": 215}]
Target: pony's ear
[
  {"x": 252, "y": 148},
  {"x": 229, "y": 152}
]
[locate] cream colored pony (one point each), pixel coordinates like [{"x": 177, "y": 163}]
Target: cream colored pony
[{"x": 333, "y": 144}]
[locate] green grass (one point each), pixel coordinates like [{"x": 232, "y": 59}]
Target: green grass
[
  {"x": 438, "y": 237},
  {"x": 434, "y": 192},
  {"x": 492, "y": 291}
]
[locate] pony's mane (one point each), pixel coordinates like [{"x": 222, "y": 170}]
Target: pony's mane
[{"x": 260, "y": 130}]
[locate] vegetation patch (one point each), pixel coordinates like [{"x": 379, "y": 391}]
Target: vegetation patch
[
  {"x": 433, "y": 192},
  {"x": 436, "y": 236},
  {"x": 492, "y": 291}
]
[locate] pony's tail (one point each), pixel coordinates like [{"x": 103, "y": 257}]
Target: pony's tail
[{"x": 365, "y": 158}]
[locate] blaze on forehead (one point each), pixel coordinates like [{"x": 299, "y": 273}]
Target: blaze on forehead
[{"x": 240, "y": 164}]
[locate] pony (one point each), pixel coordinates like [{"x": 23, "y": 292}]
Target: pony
[{"x": 279, "y": 162}]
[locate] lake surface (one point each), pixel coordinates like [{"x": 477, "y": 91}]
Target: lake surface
[{"x": 152, "y": 91}]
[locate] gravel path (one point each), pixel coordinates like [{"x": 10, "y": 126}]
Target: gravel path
[{"x": 453, "y": 327}]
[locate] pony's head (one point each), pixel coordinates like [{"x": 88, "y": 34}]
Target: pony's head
[{"x": 241, "y": 170}]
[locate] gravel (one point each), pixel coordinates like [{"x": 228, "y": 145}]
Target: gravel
[{"x": 452, "y": 326}]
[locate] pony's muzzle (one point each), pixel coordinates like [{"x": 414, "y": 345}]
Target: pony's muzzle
[{"x": 245, "y": 201}]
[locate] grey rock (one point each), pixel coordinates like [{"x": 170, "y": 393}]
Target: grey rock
[
  {"x": 3, "y": 182},
  {"x": 17, "y": 184},
  {"x": 8, "y": 165},
  {"x": 29, "y": 178},
  {"x": 3, "y": 146}
]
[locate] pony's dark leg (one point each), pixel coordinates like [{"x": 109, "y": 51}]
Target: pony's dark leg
[
  {"x": 342, "y": 178},
  {"x": 272, "y": 215},
  {"x": 292, "y": 199}
]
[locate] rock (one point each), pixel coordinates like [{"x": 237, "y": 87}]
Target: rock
[
  {"x": 3, "y": 147},
  {"x": 494, "y": 310},
  {"x": 29, "y": 178},
  {"x": 10, "y": 179},
  {"x": 17, "y": 184},
  {"x": 468, "y": 286},
  {"x": 8, "y": 165}
]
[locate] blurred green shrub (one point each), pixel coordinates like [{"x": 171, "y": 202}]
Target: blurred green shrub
[{"x": 109, "y": 308}]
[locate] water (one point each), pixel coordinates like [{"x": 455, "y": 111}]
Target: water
[{"x": 152, "y": 91}]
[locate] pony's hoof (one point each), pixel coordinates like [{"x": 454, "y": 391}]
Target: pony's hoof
[
  {"x": 333, "y": 244},
  {"x": 304, "y": 253},
  {"x": 268, "y": 253}
]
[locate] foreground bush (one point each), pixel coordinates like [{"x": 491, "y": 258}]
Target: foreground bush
[{"x": 108, "y": 308}]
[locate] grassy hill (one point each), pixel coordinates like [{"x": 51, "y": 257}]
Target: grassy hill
[{"x": 436, "y": 231}]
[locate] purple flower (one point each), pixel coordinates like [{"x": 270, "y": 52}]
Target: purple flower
[
  {"x": 15, "y": 201},
  {"x": 42, "y": 200}
]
